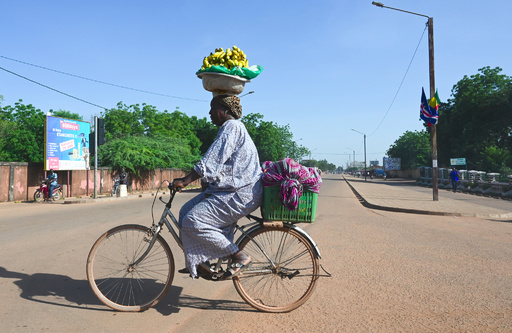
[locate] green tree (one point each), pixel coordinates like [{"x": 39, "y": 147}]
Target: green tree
[
  {"x": 272, "y": 141},
  {"x": 66, "y": 114},
  {"x": 205, "y": 131},
  {"x": 123, "y": 121},
  {"x": 477, "y": 122},
  {"x": 135, "y": 120},
  {"x": 413, "y": 148},
  {"x": 496, "y": 159},
  {"x": 141, "y": 153},
  {"x": 22, "y": 133}
]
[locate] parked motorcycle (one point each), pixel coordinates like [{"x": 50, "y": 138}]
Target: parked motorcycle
[
  {"x": 115, "y": 187},
  {"x": 42, "y": 192}
]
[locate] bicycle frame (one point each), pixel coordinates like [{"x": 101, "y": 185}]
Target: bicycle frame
[
  {"x": 174, "y": 230},
  {"x": 281, "y": 276}
]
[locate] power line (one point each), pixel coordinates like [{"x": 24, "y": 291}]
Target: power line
[
  {"x": 58, "y": 91},
  {"x": 401, "y": 83},
  {"x": 102, "y": 82}
]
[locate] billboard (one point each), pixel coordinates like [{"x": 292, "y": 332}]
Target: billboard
[
  {"x": 66, "y": 144},
  {"x": 392, "y": 163}
]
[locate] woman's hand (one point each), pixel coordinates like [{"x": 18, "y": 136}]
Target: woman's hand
[{"x": 178, "y": 184}]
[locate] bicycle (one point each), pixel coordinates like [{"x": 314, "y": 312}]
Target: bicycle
[{"x": 131, "y": 267}]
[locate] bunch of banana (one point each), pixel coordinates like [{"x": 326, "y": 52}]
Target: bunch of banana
[{"x": 229, "y": 58}]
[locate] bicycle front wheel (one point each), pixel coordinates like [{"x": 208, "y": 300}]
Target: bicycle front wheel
[
  {"x": 116, "y": 281},
  {"x": 283, "y": 273}
]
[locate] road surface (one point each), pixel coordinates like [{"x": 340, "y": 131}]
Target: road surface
[{"x": 391, "y": 272}]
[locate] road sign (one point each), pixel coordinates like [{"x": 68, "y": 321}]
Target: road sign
[{"x": 458, "y": 161}]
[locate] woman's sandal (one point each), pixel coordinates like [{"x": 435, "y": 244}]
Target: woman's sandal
[{"x": 234, "y": 269}]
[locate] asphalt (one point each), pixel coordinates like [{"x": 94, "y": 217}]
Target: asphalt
[{"x": 401, "y": 195}]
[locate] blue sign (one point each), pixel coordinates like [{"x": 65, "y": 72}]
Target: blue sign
[{"x": 66, "y": 144}]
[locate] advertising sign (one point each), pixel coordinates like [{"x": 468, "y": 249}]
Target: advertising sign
[
  {"x": 458, "y": 161},
  {"x": 392, "y": 163},
  {"x": 66, "y": 144}
]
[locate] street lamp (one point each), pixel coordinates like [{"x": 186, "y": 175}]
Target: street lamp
[
  {"x": 354, "y": 152},
  {"x": 364, "y": 152},
  {"x": 295, "y": 148},
  {"x": 250, "y": 92},
  {"x": 433, "y": 132},
  {"x": 311, "y": 153}
]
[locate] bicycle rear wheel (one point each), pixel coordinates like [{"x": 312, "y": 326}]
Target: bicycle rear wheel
[
  {"x": 112, "y": 276},
  {"x": 288, "y": 280}
]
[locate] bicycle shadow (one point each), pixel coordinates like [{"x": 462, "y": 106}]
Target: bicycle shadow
[{"x": 62, "y": 290}]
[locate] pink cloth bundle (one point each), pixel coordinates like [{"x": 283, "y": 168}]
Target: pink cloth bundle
[{"x": 293, "y": 178}]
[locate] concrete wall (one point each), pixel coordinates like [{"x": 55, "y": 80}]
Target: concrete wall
[
  {"x": 19, "y": 181},
  {"x": 412, "y": 174}
]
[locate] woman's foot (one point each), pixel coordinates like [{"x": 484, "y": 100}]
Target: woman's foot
[{"x": 239, "y": 262}]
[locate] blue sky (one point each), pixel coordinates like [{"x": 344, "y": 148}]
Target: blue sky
[{"x": 329, "y": 66}]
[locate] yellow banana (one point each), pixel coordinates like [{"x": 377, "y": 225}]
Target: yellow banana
[{"x": 229, "y": 58}]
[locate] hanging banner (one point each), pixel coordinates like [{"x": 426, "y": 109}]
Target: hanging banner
[{"x": 66, "y": 144}]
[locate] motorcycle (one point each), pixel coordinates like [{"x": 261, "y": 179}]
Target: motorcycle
[
  {"x": 42, "y": 192},
  {"x": 115, "y": 187}
]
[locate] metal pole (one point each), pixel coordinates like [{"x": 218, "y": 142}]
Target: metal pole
[
  {"x": 433, "y": 132},
  {"x": 95, "y": 154},
  {"x": 364, "y": 157}
]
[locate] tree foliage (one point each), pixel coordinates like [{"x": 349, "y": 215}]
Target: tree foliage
[
  {"x": 323, "y": 165},
  {"x": 413, "y": 148},
  {"x": 272, "y": 141},
  {"x": 66, "y": 114},
  {"x": 140, "y": 137},
  {"x": 21, "y": 133},
  {"x": 477, "y": 122},
  {"x": 142, "y": 153}
]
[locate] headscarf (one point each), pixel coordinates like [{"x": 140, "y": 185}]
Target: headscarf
[{"x": 232, "y": 103}]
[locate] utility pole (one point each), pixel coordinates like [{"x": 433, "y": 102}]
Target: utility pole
[
  {"x": 95, "y": 155},
  {"x": 433, "y": 128}
]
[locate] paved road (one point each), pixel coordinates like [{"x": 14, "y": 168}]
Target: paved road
[{"x": 392, "y": 272}]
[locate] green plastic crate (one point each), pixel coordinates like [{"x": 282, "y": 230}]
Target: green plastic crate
[{"x": 274, "y": 210}]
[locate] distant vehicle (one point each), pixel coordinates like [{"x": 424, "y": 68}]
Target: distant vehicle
[{"x": 380, "y": 173}]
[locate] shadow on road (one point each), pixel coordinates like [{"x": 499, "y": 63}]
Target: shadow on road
[{"x": 62, "y": 290}]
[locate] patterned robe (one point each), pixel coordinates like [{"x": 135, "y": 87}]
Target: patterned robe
[{"x": 232, "y": 168}]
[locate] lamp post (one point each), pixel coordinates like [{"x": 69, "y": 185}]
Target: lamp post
[
  {"x": 311, "y": 153},
  {"x": 433, "y": 131},
  {"x": 354, "y": 152},
  {"x": 364, "y": 152},
  {"x": 295, "y": 149},
  {"x": 250, "y": 92}
]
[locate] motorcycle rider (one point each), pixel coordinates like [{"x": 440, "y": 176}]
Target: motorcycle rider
[{"x": 51, "y": 183}]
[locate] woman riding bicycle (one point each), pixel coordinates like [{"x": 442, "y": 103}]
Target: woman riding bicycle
[{"x": 232, "y": 168}]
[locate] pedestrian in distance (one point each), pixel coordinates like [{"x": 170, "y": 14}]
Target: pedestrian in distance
[
  {"x": 454, "y": 178},
  {"x": 123, "y": 177}
]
